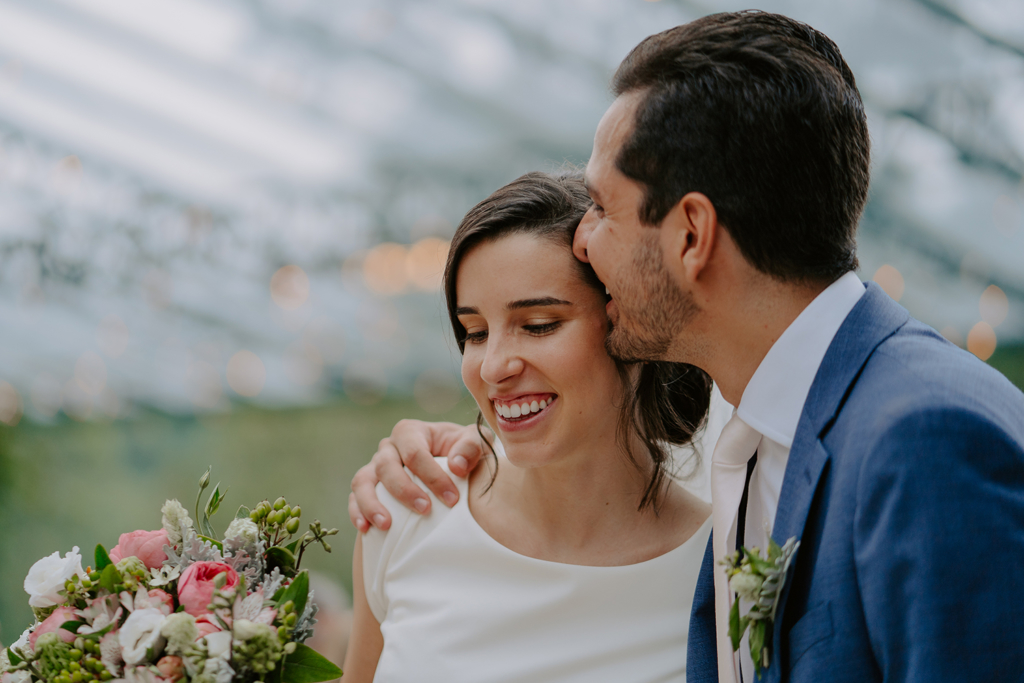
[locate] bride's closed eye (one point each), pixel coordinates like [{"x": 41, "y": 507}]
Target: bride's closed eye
[{"x": 542, "y": 328}]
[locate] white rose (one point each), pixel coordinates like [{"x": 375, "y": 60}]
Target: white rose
[
  {"x": 242, "y": 528},
  {"x": 47, "y": 577},
  {"x": 23, "y": 646},
  {"x": 140, "y": 635},
  {"x": 218, "y": 644},
  {"x": 21, "y": 676},
  {"x": 747, "y": 586}
]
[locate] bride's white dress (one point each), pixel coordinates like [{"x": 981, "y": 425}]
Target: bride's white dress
[{"x": 455, "y": 605}]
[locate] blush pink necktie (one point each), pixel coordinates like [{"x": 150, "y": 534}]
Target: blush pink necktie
[{"x": 735, "y": 447}]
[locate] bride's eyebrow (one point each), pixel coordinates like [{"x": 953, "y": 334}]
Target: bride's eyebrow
[
  {"x": 533, "y": 303},
  {"x": 517, "y": 305}
]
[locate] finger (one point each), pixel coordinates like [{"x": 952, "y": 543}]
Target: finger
[
  {"x": 465, "y": 453},
  {"x": 421, "y": 463},
  {"x": 367, "y": 505},
  {"x": 358, "y": 521},
  {"x": 396, "y": 480}
]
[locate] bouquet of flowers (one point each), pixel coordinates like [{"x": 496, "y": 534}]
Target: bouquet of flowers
[{"x": 172, "y": 604}]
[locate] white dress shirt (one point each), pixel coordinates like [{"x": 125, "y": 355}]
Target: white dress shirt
[{"x": 772, "y": 404}]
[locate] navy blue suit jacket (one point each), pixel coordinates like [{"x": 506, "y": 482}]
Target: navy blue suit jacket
[{"x": 905, "y": 486}]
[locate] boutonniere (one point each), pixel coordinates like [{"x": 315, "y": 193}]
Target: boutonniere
[{"x": 758, "y": 580}]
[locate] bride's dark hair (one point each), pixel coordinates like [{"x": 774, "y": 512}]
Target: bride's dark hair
[{"x": 668, "y": 401}]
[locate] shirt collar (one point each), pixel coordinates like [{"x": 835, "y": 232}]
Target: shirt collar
[{"x": 774, "y": 398}]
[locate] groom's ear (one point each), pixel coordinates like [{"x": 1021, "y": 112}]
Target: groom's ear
[{"x": 688, "y": 235}]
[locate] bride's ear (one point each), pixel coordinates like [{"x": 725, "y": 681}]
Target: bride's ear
[{"x": 689, "y": 232}]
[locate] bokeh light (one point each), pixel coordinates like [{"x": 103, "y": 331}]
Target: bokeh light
[
  {"x": 425, "y": 263},
  {"x": 437, "y": 391},
  {"x": 112, "y": 336},
  {"x": 203, "y": 383},
  {"x": 384, "y": 269},
  {"x": 981, "y": 340},
  {"x": 11, "y": 406},
  {"x": 890, "y": 280},
  {"x": 91, "y": 373},
  {"x": 289, "y": 287},
  {"x": 246, "y": 373},
  {"x": 994, "y": 306}
]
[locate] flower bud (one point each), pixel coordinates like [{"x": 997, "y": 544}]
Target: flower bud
[
  {"x": 220, "y": 580},
  {"x": 296, "y": 512},
  {"x": 290, "y": 620},
  {"x": 287, "y": 510},
  {"x": 288, "y": 607},
  {"x": 293, "y": 525},
  {"x": 280, "y": 503}
]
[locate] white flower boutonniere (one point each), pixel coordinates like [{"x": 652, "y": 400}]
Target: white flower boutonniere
[{"x": 758, "y": 580}]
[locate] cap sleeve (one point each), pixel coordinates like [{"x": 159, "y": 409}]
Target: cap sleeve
[{"x": 378, "y": 548}]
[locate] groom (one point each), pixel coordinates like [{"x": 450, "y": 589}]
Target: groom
[{"x": 728, "y": 178}]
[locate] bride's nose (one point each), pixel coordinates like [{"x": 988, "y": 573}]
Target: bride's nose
[{"x": 501, "y": 361}]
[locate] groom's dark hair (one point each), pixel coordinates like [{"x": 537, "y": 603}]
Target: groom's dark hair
[{"x": 761, "y": 114}]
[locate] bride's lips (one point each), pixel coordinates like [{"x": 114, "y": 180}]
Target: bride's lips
[{"x": 538, "y": 404}]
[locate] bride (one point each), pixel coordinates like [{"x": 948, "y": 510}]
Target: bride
[{"x": 554, "y": 563}]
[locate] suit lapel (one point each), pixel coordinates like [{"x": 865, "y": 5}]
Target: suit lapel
[{"x": 872, "y": 320}]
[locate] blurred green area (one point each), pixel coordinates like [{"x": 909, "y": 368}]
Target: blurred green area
[
  {"x": 81, "y": 484},
  {"x": 76, "y": 483}
]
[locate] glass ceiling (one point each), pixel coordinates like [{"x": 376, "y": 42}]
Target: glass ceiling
[{"x": 203, "y": 202}]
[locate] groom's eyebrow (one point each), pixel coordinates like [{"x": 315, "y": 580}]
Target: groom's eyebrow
[{"x": 533, "y": 303}]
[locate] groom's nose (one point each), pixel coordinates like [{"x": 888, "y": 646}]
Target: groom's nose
[{"x": 583, "y": 232}]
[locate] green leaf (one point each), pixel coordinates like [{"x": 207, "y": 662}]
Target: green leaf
[
  {"x": 214, "y": 542},
  {"x": 281, "y": 558},
  {"x": 774, "y": 550},
  {"x": 298, "y": 592},
  {"x": 735, "y": 632},
  {"x": 759, "y": 565},
  {"x": 12, "y": 655},
  {"x": 242, "y": 512},
  {"x": 102, "y": 558},
  {"x": 109, "y": 578},
  {"x": 294, "y": 545},
  {"x": 306, "y": 665},
  {"x": 72, "y": 626},
  {"x": 204, "y": 481},
  {"x": 757, "y": 644}
]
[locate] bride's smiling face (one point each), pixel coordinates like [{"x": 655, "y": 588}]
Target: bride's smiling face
[{"x": 534, "y": 357}]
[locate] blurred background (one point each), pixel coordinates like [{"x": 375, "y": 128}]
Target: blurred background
[{"x": 222, "y": 224}]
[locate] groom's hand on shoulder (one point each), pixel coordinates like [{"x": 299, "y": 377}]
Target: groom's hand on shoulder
[{"x": 413, "y": 444}]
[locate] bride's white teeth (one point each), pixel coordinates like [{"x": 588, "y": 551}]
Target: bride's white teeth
[
  {"x": 543, "y": 405},
  {"x": 524, "y": 409},
  {"x": 607, "y": 291},
  {"x": 516, "y": 410},
  {"x": 503, "y": 410},
  {"x": 534, "y": 407}
]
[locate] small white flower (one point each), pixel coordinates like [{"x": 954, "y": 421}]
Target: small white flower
[
  {"x": 21, "y": 676},
  {"x": 217, "y": 670},
  {"x": 140, "y": 635},
  {"x": 242, "y": 528},
  {"x": 746, "y": 585},
  {"x": 163, "y": 575},
  {"x": 139, "y": 675},
  {"x": 247, "y": 630},
  {"x": 110, "y": 652},
  {"x": 47, "y": 576},
  {"x": 173, "y": 517},
  {"x": 23, "y": 646}
]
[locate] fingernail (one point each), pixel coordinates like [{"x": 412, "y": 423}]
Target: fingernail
[
  {"x": 361, "y": 523},
  {"x": 460, "y": 462},
  {"x": 378, "y": 520},
  {"x": 420, "y": 504},
  {"x": 449, "y": 498}
]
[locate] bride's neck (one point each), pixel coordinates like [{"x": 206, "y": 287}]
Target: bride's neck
[{"x": 585, "y": 499}]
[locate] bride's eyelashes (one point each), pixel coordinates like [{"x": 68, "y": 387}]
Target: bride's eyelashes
[{"x": 537, "y": 330}]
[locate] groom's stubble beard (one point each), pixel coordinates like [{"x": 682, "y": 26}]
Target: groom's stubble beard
[{"x": 653, "y": 310}]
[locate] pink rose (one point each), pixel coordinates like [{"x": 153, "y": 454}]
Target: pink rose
[
  {"x": 164, "y": 598},
  {"x": 148, "y": 546},
  {"x": 195, "y": 587},
  {"x": 53, "y": 623},
  {"x": 171, "y": 667},
  {"x": 206, "y": 626}
]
